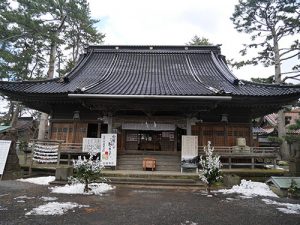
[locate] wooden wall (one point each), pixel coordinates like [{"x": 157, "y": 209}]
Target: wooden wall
[{"x": 222, "y": 134}]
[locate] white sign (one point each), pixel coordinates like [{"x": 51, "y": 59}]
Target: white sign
[
  {"x": 4, "y": 149},
  {"x": 189, "y": 147},
  {"x": 109, "y": 149},
  {"x": 91, "y": 145}
]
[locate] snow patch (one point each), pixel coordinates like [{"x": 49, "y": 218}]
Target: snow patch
[
  {"x": 289, "y": 208},
  {"x": 2, "y": 208},
  {"x": 54, "y": 208},
  {"x": 78, "y": 188},
  {"x": 23, "y": 197},
  {"x": 189, "y": 223},
  {"x": 230, "y": 199},
  {"x": 250, "y": 189},
  {"x": 38, "y": 180},
  {"x": 48, "y": 199},
  {"x": 3, "y": 195}
]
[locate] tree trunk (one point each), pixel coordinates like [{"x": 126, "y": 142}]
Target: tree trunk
[
  {"x": 15, "y": 116},
  {"x": 284, "y": 151},
  {"x": 208, "y": 188},
  {"x": 42, "y": 126},
  {"x": 50, "y": 75},
  {"x": 86, "y": 186}
]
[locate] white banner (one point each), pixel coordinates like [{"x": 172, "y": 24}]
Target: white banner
[
  {"x": 91, "y": 145},
  {"x": 4, "y": 149},
  {"x": 109, "y": 149},
  {"x": 189, "y": 147}
]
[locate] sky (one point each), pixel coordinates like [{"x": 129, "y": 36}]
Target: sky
[{"x": 174, "y": 22}]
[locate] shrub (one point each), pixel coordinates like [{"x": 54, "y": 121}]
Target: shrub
[
  {"x": 87, "y": 170},
  {"x": 211, "y": 165}
]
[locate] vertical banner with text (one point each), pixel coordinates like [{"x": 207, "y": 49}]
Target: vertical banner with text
[
  {"x": 189, "y": 147},
  {"x": 109, "y": 149}
]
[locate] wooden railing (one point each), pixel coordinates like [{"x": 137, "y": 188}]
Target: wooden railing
[
  {"x": 232, "y": 150},
  {"x": 70, "y": 147},
  {"x": 247, "y": 156}
]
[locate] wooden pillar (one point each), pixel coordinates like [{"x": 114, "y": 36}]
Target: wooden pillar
[
  {"x": 188, "y": 126},
  {"x": 226, "y": 134},
  {"x": 109, "y": 124},
  {"x": 250, "y": 135},
  {"x": 252, "y": 162},
  {"x": 175, "y": 140}
]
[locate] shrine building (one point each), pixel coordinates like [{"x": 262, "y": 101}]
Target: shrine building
[{"x": 150, "y": 96}]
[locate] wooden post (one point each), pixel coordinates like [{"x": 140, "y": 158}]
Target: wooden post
[
  {"x": 109, "y": 124},
  {"x": 252, "y": 162},
  {"x": 229, "y": 162},
  {"x": 188, "y": 126}
]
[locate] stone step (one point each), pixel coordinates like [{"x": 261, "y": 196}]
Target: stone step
[
  {"x": 137, "y": 162},
  {"x": 156, "y": 182}
]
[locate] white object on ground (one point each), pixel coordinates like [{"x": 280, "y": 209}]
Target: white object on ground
[
  {"x": 54, "y": 208},
  {"x": 48, "y": 199},
  {"x": 2, "y": 209},
  {"x": 24, "y": 197},
  {"x": 288, "y": 207},
  {"x": 38, "y": 180},
  {"x": 250, "y": 189},
  {"x": 78, "y": 188}
]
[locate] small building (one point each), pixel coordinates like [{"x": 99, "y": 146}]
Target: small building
[{"x": 151, "y": 96}]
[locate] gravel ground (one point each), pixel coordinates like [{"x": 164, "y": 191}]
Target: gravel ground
[{"x": 140, "y": 206}]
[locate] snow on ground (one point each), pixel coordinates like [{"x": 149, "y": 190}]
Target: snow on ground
[
  {"x": 2, "y": 209},
  {"x": 250, "y": 189},
  {"x": 54, "y": 208},
  {"x": 48, "y": 199},
  {"x": 24, "y": 197},
  {"x": 189, "y": 223},
  {"x": 287, "y": 208},
  {"x": 78, "y": 188},
  {"x": 38, "y": 180},
  {"x": 276, "y": 167}
]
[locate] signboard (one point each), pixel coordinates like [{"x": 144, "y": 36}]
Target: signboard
[
  {"x": 4, "y": 149},
  {"x": 109, "y": 149},
  {"x": 189, "y": 147},
  {"x": 91, "y": 145}
]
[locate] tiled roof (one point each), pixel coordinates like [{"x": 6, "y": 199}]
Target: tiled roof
[{"x": 146, "y": 70}]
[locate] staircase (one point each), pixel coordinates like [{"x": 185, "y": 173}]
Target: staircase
[{"x": 135, "y": 162}]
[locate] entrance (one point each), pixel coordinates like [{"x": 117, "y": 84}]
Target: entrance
[{"x": 149, "y": 140}]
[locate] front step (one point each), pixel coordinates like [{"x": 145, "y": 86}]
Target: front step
[{"x": 135, "y": 162}]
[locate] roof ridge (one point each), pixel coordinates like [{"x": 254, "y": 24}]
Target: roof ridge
[
  {"x": 281, "y": 85},
  {"x": 155, "y": 47}
]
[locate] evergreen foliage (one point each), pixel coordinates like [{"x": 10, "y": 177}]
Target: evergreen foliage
[
  {"x": 211, "y": 166},
  {"x": 87, "y": 170},
  {"x": 196, "y": 40},
  {"x": 270, "y": 22}
]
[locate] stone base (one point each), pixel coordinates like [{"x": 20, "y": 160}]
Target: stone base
[
  {"x": 230, "y": 180},
  {"x": 62, "y": 173},
  {"x": 12, "y": 168}
]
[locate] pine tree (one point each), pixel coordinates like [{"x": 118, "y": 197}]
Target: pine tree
[{"x": 269, "y": 23}]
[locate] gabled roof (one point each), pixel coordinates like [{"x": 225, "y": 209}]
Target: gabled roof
[{"x": 150, "y": 70}]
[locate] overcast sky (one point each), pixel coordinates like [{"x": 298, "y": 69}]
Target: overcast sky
[{"x": 173, "y": 22}]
